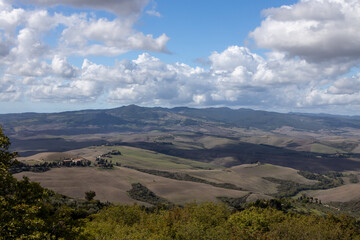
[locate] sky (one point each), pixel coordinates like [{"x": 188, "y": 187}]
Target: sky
[{"x": 274, "y": 55}]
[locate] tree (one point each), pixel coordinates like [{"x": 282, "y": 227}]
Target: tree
[
  {"x": 6, "y": 157},
  {"x": 90, "y": 195},
  {"x": 26, "y": 211}
]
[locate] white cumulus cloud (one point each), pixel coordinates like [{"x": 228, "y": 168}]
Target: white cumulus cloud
[{"x": 316, "y": 30}]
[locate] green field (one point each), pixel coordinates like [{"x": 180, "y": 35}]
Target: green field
[
  {"x": 321, "y": 148},
  {"x": 141, "y": 158}
]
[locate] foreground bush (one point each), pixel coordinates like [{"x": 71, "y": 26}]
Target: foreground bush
[
  {"x": 28, "y": 211},
  {"x": 215, "y": 221}
]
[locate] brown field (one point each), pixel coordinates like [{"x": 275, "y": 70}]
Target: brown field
[
  {"x": 250, "y": 176},
  {"x": 111, "y": 185},
  {"x": 89, "y": 153},
  {"x": 47, "y": 157},
  {"x": 345, "y": 193},
  {"x": 211, "y": 142}
]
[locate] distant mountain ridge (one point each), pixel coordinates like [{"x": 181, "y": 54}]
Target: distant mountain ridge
[{"x": 135, "y": 118}]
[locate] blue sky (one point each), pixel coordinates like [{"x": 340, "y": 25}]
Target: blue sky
[
  {"x": 197, "y": 28},
  {"x": 60, "y": 55}
]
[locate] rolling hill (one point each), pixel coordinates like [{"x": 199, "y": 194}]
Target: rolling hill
[{"x": 227, "y": 137}]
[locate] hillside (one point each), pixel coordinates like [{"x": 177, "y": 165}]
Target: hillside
[
  {"x": 135, "y": 118},
  {"x": 225, "y": 136}
]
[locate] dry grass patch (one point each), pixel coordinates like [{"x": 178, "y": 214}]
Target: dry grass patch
[{"x": 250, "y": 176}]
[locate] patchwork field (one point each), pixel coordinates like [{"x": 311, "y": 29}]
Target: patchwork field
[
  {"x": 217, "y": 161},
  {"x": 112, "y": 185}
]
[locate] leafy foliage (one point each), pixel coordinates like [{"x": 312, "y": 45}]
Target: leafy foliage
[
  {"x": 236, "y": 203},
  {"x": 289, "y": 188},
  {"x": 90, "y": 195},
  {"x": 353, "y": 178},
  {"x": 216, "y": 221},
  {"x": 6, "y": 157},
  {"x": 46, "y": 166},
  {"x": 142, "y": 193},
  {"x": 27, "y": 211}
]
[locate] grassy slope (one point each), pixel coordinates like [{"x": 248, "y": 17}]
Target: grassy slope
[{"x": 151, "y": 160}]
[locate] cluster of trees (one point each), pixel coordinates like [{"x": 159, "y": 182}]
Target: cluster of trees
[
  {"x": 22, "y": 167},
  {"x": 236, "y": 203},
  {"x": 110, "y": 154},
  {"x": 353, "y": 178},
  {"x": 307, "y": 199},
  {"x": 46, "y": 166},
  {"x": 289, "y": 188},
  {"x": 142, "y": 193},
  {"x": 321, "y": 177},
  {"x": 102, "y": 162}
]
